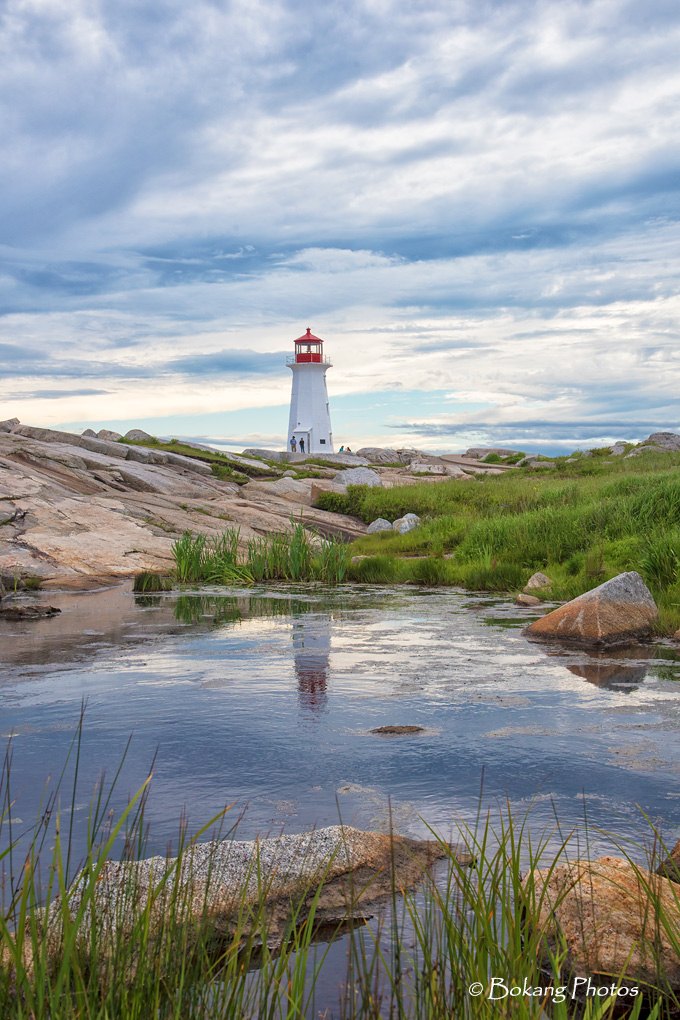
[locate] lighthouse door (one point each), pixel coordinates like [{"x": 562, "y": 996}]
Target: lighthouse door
[{"x": 304, "y": 434}]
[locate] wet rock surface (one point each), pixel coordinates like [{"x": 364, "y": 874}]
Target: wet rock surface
[
  {"x": 217, "y": 880},
  {"x": 605, "y": 912},
  {"x": 620, "y": 611},
  {"x": 23, "y": 612},
  {"x": 396, "y": 730}
]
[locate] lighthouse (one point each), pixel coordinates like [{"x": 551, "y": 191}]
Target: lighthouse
[{"x": 310, "y": 418}]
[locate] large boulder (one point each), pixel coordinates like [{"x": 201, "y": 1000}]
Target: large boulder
[
  {"x": 9, "y": 424},
  {"x": 112, "y": 437},
  {"x": 607, "y": 914},
  {"x": 668, "y": 441},
  {"x": 137, "y": 434},
  {"x": 620, "y": 611},
  {"x": 359, "y": 476},
  {"x": 380, "y": 524},
  {"x": 429, "y": 467},
  {"x": 409, "y": 522},
  {"x": 379, "y": 455},
  {"x": 537, "y": 581}
]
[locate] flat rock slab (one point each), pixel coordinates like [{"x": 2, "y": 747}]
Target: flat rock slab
[
  {"x": 620, "y": 611},
  {"x": 27, "y": 612},
  {"x": 605, "y": 911},
  {"x": 220, "y": 879}
]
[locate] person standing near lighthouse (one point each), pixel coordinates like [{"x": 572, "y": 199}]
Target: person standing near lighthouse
[{"x": 310, "y": 420}]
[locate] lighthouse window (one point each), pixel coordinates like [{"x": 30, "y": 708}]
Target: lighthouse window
[{"x": 323, "y": 442}]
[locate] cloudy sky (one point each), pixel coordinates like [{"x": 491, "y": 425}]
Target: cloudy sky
[{"x": 474, "y": 203}]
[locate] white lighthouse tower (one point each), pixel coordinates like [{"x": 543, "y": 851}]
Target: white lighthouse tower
[{"x": 310, "y": 418}]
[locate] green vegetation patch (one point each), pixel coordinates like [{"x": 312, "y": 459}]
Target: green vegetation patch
[
  {"x": 292, "y": 556},
  {"x": 580, "y": 523}
]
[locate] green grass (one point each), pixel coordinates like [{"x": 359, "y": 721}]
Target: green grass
[
  {"x": 579, "y": 523},
  {"x": 296, "y": 555},
  {"x": 66, "y": 955},
  {"x": 149, "y": 581}
]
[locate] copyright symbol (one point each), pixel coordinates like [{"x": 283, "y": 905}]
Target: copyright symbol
[{"x": 476, "y": 988}]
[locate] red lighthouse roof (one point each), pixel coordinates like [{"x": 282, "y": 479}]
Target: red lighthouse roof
[{"x": 308, "y": 337}]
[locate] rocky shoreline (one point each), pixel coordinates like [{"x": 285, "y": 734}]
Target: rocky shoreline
[{"x": 78, "y": 510}]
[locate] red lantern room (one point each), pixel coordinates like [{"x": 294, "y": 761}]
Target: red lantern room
[{"x": 308, "y": 348}]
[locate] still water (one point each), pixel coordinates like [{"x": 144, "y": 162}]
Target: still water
[{"x": 263, "y": 699}]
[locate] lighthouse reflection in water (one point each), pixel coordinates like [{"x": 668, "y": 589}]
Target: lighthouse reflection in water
[{"x": 311, "y": 650}]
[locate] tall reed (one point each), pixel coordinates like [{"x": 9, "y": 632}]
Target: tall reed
[{"x": 297, "y": 555}]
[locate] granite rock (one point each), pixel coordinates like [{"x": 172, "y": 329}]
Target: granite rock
[
  {"x": 603, "y": 912},
  {"x": 620, "y": 611},
  {"x": 380, "y": 524},
  {"x": 480, "y": 452},
  {"x": 537, "y": 581},
  {"x": 409, "y": 522},
  {"x": 221, "y": 878},
  {"x": 136, "y": 434},
  {"x": 359, "y": 476}
]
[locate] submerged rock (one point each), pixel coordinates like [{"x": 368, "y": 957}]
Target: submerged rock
[
  {"x": 606, "y": 912},
  {"x": 27, "y": 612},
  {"x": 396, "y": 731},
  {"x": 380, "y": 524},
  {"x": 620, "y": 611}
]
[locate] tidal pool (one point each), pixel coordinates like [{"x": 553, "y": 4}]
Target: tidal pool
[{"x": 263, "y": 699}]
